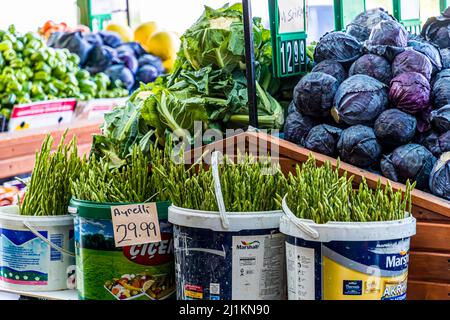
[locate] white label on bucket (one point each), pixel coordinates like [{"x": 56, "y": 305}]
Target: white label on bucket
[
  {"x": 258, "y": 267},
  {"x": 300, "y": 274},
  {"x": 24, "y": 258}
]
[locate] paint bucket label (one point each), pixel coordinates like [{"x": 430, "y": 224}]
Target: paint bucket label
[
  {"x": 24, "y": 258},
  {"x": 247, "y": 265},
  {"x": 104, "y": 272},
  {"x": 373, "y": 270}
]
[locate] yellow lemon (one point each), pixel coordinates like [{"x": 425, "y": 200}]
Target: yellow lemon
[
  {"x": 169, "y": 64},
  {"x": 125, "y": 32},
  {"x": 164, "y": 45},
  {"x": 144, "y": 32}
]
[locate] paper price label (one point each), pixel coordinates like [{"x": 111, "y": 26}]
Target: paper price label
[
  {"x": 135, "y": 224},
  {"x": 292, "y": 16}
]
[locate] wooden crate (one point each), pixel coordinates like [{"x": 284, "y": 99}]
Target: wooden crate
[
  {"x": 430, "y": 248},
  {"x": 17, "y": 149}
]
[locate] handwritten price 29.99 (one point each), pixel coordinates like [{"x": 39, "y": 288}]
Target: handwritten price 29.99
[{"x": 148, "y": 228}]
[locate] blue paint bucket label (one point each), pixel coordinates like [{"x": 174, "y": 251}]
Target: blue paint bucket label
[
  {"x": 245, "y": 265},
  {"x": 347, "y": 270}
]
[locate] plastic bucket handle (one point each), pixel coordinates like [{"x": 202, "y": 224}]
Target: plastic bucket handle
[
  {"x": 52, "y": 245},
  {"x": 313, "y": 233},
  {"x": 218, "y": 188}
]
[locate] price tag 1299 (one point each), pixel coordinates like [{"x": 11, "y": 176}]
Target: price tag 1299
[{"x": 135, "y": 224}]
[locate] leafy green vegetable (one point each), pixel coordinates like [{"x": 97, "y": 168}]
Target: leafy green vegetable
[{"x": 208, "y": 84}]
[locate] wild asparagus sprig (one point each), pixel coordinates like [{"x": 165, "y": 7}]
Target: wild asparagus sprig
[
  {"x": 322, "y": 195},
  {"x": 48, "y": 192}
]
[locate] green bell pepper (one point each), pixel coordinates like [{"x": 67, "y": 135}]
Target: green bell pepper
[
  {"x": 36, "y": 89},
  {"x": 9, "y": 55},
  {"x": 28, "y": 72},
  {"x": 17, "y": 63},
  {"x": 61, "y": 86},
  {"x": 18, "y": 45},
  {"x": 83, "y": 74},
  {"x": 40, "y": 55},
  {"x": 71, "y": 79},
  {"x": 6, "y": 45},
  {"x": 9, "y": 99},
  {"x": 42, "y": 66},
  {"x": 42, "y": 76}
]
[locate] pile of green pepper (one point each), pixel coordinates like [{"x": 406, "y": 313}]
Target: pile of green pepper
[{"x": 31, "y": 71}]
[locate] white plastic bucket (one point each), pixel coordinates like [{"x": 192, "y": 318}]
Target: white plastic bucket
[
  {"x": 347, "y": 261},
  {"x": 245, "y": 261},
  {"x": 35, "y": 252},
  {"x": 228, "y": 256}
]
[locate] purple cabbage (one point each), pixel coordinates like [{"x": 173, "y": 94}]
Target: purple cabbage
[
  {"x": 374, "y": 66},
  {"x": 130, "y": 61},
  {"x": 441, "y": 119},
  {"x": 101, "y": 58},
  {"x": 147, "y": 74},
  {"x": 409, "y": 162},
  {"x": 395, "y": 128},
  {"x": 430, "y": 51},
  {"x": 333, "y": 68},
  {"x": 445, "y": 57},
  {"x": 338, "y": 46},
  {"x": 323, "y": 139},
  {"x": 110, "y": 39},
  {"x": 439, "y": 183},
  {"x": 297, "y": 126},
  {"x": 412, "y": 61},
  {"x": 437, "y": 30},
  {"x": 361, "y": 27},
  {"x": 76, "y": 44},
  {"x": 441, "y": 89},
  {"x": 360, "y": 100},
  {"x": 314, "y": 94},
  {"x": 359, "y": 146},
  {"x": 389, "y": 33},
  {"x": 437, "y": 143},
  {"x": 151, "y": 60},
  {"x": 122, "y": 73},
  {"x": 410, "y": 92}
]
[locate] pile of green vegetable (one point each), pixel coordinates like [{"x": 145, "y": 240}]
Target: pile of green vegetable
[
  {"x": 48, "y": 192},
  {"x": 131, "y": 183},
  {"x": 30, "y": 71},
  {"x": 248, "y": 186},
  {"x": 208, "y": 85},
  {"x": 322, "y": 195}
]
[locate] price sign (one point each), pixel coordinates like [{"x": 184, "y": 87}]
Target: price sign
[
  {"x": 135, "y": 224},
  {"x": 288, "y": 29}
]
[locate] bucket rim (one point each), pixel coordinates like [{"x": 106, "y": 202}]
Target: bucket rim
[
  {"x": 247, "y": 213},
  {"x": 349, "y": 231},
  {"x": 269, "y": 220},
  {"x": 17, "y": 216}
]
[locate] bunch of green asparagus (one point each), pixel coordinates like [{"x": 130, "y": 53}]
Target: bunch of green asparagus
[
  {"x": 48, "y": 192},
  {"x": 322, "y": 195}
]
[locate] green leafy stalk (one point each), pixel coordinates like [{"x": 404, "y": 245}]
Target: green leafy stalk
[
  {"x": 322, "y": 195},
  {"x": 48, "y": 192}
]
